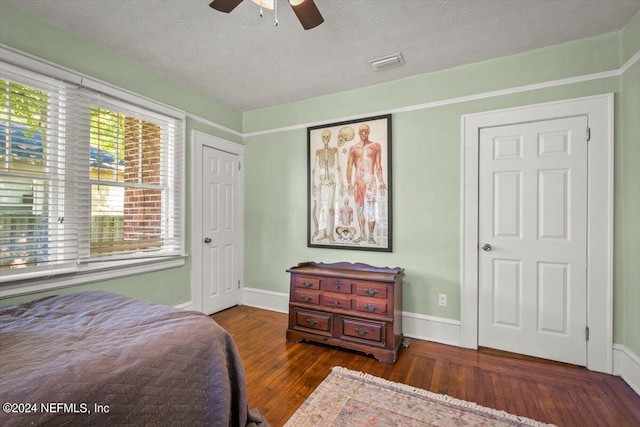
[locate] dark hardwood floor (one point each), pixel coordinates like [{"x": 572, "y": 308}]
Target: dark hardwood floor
[{"x": 281, "y": 375}]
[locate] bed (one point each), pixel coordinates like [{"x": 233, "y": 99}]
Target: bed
[{"x": 98, "y": 358}]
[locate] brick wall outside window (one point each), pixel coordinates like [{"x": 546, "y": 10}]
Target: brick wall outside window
[{"x": 142, "y": 206}]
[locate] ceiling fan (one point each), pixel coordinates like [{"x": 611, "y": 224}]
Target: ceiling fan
[{"x": 306, "y": 10}]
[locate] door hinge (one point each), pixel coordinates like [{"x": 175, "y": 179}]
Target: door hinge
[
  {"x": 588, "y": 134},
  {"x": 586, "y": 333},
  {"x": 239, "y": 166},
  {"x": 238, "y": 283}
]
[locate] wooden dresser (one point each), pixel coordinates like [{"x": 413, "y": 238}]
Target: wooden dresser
[{"x": 353, "y": 306}]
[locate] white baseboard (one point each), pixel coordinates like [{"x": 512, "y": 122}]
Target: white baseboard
[
  {"x": 431, "y": 328},
  {"x": 268, "y": 300},
  {"x": 419, "y": 326},
  {"x": 626, "y": 364},
  {"x": 185, "y": 305}
]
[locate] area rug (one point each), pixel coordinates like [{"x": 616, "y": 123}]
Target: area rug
[{"x": 350, "y": 398}]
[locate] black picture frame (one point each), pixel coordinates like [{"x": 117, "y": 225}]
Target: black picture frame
[{"x": 349, "y": 185}]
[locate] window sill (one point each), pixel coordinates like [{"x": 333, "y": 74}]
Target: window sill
[{"x": 92, "y": 273}]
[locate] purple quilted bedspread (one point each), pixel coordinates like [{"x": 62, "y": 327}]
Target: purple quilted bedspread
[{"x": 97, "y": 358}]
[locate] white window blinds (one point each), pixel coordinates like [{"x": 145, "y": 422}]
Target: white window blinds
[
  {"x": 135, "y": 181},
  {"x": 84, "y": 177}
]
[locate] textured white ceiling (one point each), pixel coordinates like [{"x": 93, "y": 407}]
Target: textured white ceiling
[{"x": 247, "y": 63}]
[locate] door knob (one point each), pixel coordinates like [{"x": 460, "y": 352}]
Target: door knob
[
  {"x": 207, "y": 239},
  {"x": 486, "y": 247}
]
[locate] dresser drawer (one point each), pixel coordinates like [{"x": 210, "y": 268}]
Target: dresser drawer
[
  {"x": 306, "y": 282},
  {"x": 309, "y": 297},
  {"x": 362, "y": 330},
  {"x": 336, "y": 300},
  {"x": 370, "y": 289},
  {"x": 371, "y": 305},
  {"x": 342, "y": 286},
  {"x": 355, "y": 306},
  {"x": 319, "y": 322}
]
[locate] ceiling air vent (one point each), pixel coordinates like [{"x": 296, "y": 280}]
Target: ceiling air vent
[{"x": 385, "y": 62}]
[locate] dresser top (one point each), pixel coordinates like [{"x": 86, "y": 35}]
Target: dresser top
[{"x": 349, "y": 270}]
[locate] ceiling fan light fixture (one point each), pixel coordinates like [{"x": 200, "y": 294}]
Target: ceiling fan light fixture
[
  {"x": 225, "y": 6},
  {"x": 307, "y": 13},
  {"x": 267, "y": 4},
  {"x": 306, "y": 10},
  {"x": 385, "y": 62}
]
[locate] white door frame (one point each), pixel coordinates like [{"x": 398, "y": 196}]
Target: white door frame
[
  {"x": 197, "y": 144},
  {"x": 599, "y": 110}
]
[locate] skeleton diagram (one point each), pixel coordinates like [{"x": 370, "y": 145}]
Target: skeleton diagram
[{"x": 324, "y": 191}]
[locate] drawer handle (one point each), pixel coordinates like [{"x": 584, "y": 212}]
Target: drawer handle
[
  {"x": 307, "y": 284},
  {"x": 370, "y": 307},
  {"x": 305, "y": 298},
  {"x": 311, "y": 322},
  {"x": 337, "y": 284},
  {"x": 371, "y": 292},
  {"x": 361, "y": 332}
]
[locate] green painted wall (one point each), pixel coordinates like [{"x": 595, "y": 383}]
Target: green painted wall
[
  {"x": 23, "y": 32},
  {"x": 426, "y": 161},
  {"x": 542, "y": 65},
  {"x": 169, "y": 287},
  {"x": 627, "y": 266},
  {"x": 427, "y": 171},
  {"x": 426, "y": 177},
  {"x": 630, "y": 38}
]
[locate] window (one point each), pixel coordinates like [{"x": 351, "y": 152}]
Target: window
[
  {"x": 131, "y": 209},
  {"x": 85, "y": 177}
]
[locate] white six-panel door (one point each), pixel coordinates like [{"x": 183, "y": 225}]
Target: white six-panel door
[
  {"x": 533, "y": 239},
  {"x": 220, "y": 246}
]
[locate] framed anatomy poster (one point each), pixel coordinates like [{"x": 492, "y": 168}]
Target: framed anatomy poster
[{"x": 349, "y": 184}]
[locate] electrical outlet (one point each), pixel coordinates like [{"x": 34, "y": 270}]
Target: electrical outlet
[{"x": 442, "y": 300}]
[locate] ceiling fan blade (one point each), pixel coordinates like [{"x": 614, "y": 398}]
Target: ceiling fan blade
[
  {"x": 225, "y": 6},
  {"x": 307, "y": 13}
]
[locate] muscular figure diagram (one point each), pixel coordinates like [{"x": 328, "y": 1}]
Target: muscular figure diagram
[{"x": 365, "y": 159}]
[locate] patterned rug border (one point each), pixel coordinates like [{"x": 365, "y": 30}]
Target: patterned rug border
[{"x": 443, "y": 398}]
